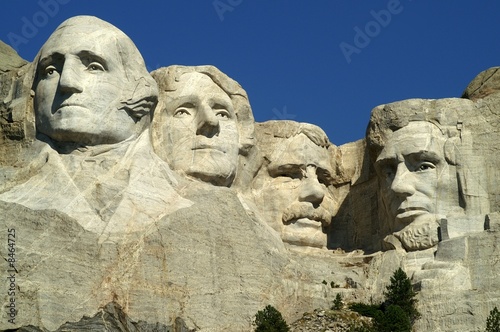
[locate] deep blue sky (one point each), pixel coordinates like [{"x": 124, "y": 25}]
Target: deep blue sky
[{"x": 287, "y": 54}]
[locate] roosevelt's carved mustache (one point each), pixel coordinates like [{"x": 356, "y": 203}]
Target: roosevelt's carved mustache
[{"x": 300, "y": 210}]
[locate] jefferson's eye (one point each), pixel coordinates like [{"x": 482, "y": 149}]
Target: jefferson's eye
[
  {"x": 222, "y": 114},
  {"x": 181, "y": 112},
  {"x": 95, "y": 66},
  {"x": 50, "y": 70},
  {"x": 425, "y": 166}
]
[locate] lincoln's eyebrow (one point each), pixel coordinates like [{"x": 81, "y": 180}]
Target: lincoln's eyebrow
[{"x": 424, "y": 155}]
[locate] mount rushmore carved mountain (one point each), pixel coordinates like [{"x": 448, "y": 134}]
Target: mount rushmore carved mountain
[{"x": 156, "y": 198}]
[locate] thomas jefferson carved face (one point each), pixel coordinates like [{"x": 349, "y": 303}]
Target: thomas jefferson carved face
[
  {"x": 200, "y": 130},
  {"x": 293, "y": 191},
  {"x": 80, "y": 84}
]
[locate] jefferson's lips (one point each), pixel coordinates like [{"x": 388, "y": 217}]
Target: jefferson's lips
[{"x": 207, "y": 147}]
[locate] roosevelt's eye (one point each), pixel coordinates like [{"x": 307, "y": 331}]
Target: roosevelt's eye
[
  {"x": 324, "y": 177},
  {"x": 95, "y": 66}
]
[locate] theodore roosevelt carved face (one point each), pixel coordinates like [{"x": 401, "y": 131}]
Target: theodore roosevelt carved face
[{"x": 292, "y": 188}]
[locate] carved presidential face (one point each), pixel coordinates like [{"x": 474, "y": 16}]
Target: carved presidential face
[
  {"x": 200, "y": 130},
  {"x": 293, "y": 191},
  {"x": 415, "y": 179},
  {"x": 80, "y": 80}
]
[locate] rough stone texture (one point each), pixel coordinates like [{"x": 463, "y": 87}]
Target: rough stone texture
[{"x": 111, "y": 235}]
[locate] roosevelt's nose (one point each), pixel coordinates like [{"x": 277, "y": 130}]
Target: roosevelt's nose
[
  {"x": 208, "y": 124},
  {"x": 70, "y": 80},
  {"x": 311, "y": 190},
  {"x": 402, "y": 183}
]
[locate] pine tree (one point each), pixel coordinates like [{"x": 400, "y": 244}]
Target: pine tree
[
  {"x": 337, "y": 303},
  {"x": 270, "y": 320},
  {"x": 493, "y": 321},
  {"x": 400, "y": 292},
  {"x": 394, "y": 319}
]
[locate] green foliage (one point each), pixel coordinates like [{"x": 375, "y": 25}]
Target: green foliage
[
  {"x": 324, "y": 282},
  {"x": 394, "y": 319},
  {"x": 334, "y": 285},
  {"x": 270, "y": 320},
  {"x": 337, "y": 303},
  {"x": 493, "y": 321},
  {"x": 367, "y": 310},
  {"x": 400, "y": 293},
  {"x": 398, "y": 312}
]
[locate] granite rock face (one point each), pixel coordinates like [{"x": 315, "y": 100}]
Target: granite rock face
[{"x": 197, "y": 217}]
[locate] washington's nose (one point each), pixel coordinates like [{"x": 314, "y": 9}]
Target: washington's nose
[
  {"x": 402, "y": 183},
  {"x": 311, "y": 190},
  {"x": 70, "y": 80},
  {"x": 208, "y": 124}
]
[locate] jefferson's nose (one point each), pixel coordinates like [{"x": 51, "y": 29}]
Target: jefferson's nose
[{"x": 208, "y": 124}]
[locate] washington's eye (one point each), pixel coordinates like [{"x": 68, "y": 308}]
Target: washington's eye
[
  {"x": 50, "y": 70},
  {"x": 425, "y": 166},
  {"x": 95, "y": 66}
]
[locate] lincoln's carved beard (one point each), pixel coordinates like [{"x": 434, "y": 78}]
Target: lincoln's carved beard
[{"x": 419, "y": 235}]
